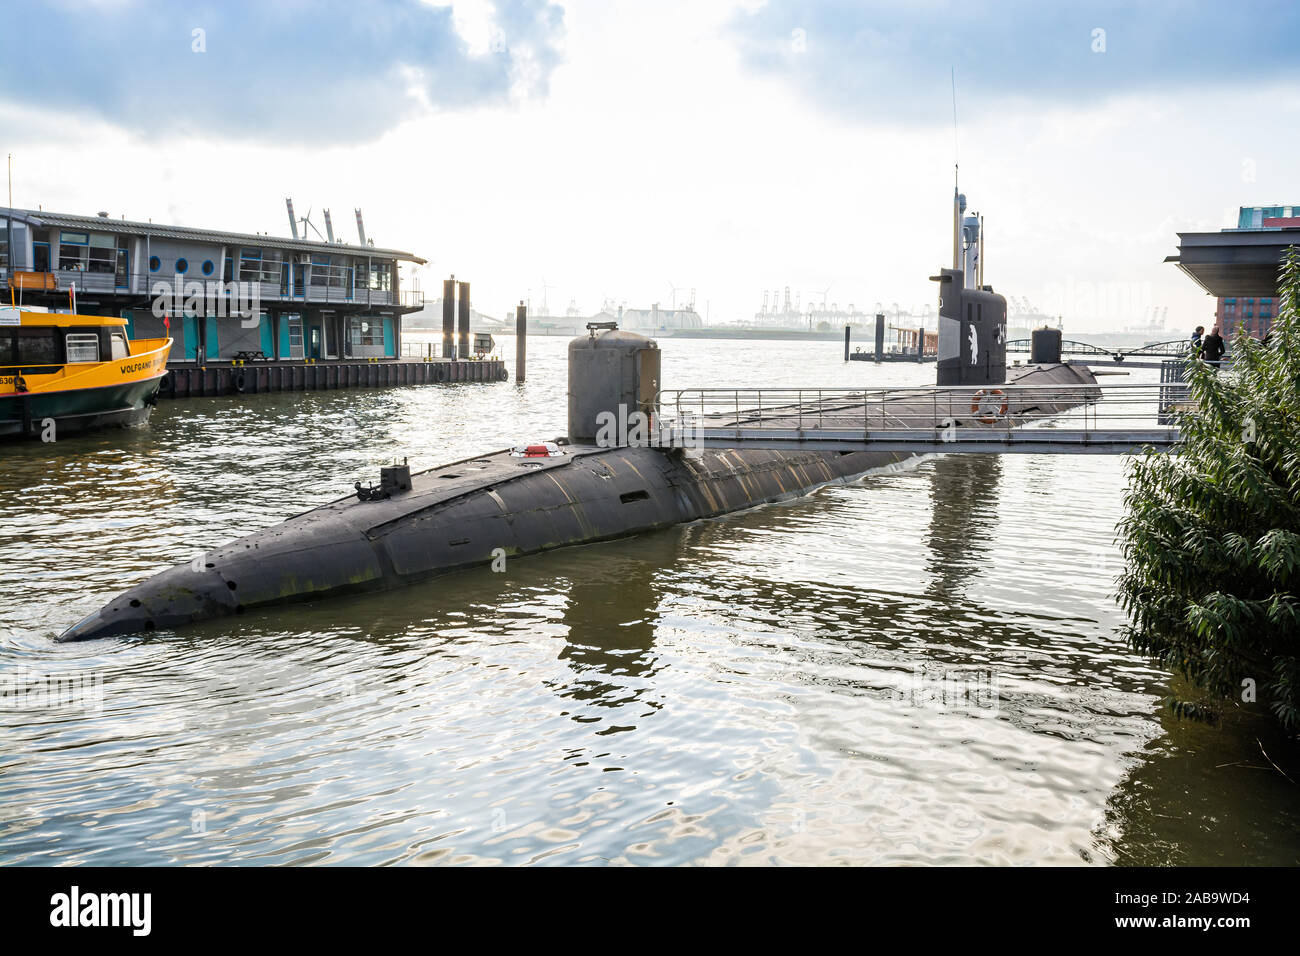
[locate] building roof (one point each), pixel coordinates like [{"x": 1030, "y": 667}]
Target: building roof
[
  {"x": 1235, "y": 262},
  {"x": 131, "y": 227}
]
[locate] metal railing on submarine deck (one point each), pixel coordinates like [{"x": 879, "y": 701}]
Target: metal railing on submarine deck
[{"x": 1037, "y": 419}]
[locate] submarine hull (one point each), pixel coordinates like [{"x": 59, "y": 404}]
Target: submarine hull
[
  {"x": 477, "y": 510},
  {"x": 353, "y": 546}
]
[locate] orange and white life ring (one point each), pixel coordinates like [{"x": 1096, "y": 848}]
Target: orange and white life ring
[{"x": 985, "y": 405}]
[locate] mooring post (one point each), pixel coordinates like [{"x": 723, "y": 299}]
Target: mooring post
[
  {"x": 463, "y": 350},
  {"x": 521, "y": 340},
  {"x": 449, "y": 317},
  {"x": 880, "y": 336},
  {"x": 846, "y": 343}
]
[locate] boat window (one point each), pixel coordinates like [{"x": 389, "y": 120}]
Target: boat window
[
  {"x": 37, "y": 347},
  {"x": 83, "y": 347},
  {"x": 120, "y": 349}
]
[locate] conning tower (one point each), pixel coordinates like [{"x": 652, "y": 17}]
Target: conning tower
[
  {"x": 613, "y": 374},
  {"x": 972, "y": 317}
]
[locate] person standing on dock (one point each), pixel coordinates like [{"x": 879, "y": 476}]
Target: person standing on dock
[{"x": 1212, "y": 348}]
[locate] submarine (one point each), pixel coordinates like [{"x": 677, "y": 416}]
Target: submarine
[{"x": 579, "y": 489}]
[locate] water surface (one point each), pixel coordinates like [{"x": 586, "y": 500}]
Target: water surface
[{"x": 921, "y": 667}]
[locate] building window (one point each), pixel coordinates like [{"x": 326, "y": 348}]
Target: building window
[
  {"x": 182, "y": 265},
  {"x": 101, "y": 254},
  {"x": 83, "y": 347},
  {"x": 330, "y": 273},
  {"x": 381, "y": 276},
  {"x": 207, "y": 267},
  {"x": 367, "y": 331},
  {"x": 259, "y": 265},
  {"x": 72, "y": 250},
  {"x": 154, "y": 263}
]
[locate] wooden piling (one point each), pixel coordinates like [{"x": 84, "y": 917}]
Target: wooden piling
[
  {"x": 521, "y": 340},
  {"x": 449, "y": 318}
]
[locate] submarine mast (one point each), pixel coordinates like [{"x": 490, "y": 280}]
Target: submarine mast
[{"x": 972, "y": 317}]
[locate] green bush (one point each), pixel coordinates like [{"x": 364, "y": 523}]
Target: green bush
[{"x": 1211, "y": 535}]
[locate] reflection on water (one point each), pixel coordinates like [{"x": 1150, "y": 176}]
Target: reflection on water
[
  {"x": 963, "y": 504},
  {"x": 917, "y": 668}
]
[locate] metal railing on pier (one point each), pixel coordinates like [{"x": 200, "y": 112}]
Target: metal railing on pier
[
  {"x": 1057, "y": 419},
  {"x": 1173, "y": 347}
]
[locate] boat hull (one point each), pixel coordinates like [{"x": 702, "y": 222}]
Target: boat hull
[{"x": 28, "y": 415}]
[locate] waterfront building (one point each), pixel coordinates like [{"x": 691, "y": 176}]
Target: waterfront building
[
  {"x": 228, "y": 295},
  {"x": 1253, "y": 315},
  {"x": 1245, "y": 314}
]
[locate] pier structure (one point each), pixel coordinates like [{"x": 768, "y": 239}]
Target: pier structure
[
  {"x": 190, "y": 381},
  {"x": 1062, "y": 417}
]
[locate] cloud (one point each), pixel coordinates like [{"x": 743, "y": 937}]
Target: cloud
[
  {"x": 890, "y": 60},
  {"x": 322, "y": 71}
]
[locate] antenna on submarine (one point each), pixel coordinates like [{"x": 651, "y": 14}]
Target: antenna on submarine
[
  {"x": 956, "y": 168},
  {"x": 956, "y": 156}
]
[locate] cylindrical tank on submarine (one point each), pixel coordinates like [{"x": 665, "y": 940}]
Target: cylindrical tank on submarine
[
  {"x": 1045, "y": 346},
  {"x": 611, "y": 373}
]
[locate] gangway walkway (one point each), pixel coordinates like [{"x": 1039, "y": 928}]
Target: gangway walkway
[
  {"x": 1034, "y": 419},
  {"x": 1112, "y": 354}
]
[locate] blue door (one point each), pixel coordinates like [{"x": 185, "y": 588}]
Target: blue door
[
  {"x": 390, "y": 341},
  {"x": 190, "y": 334},
  {"x": 267, "y": 348},
  {"x": 210, "y": 339}
]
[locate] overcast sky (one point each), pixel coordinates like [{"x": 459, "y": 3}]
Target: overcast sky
[{"x": 618, "y": 149}]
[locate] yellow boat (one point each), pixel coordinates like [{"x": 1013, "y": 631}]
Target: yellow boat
[{"x": 62, "y": 373}]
